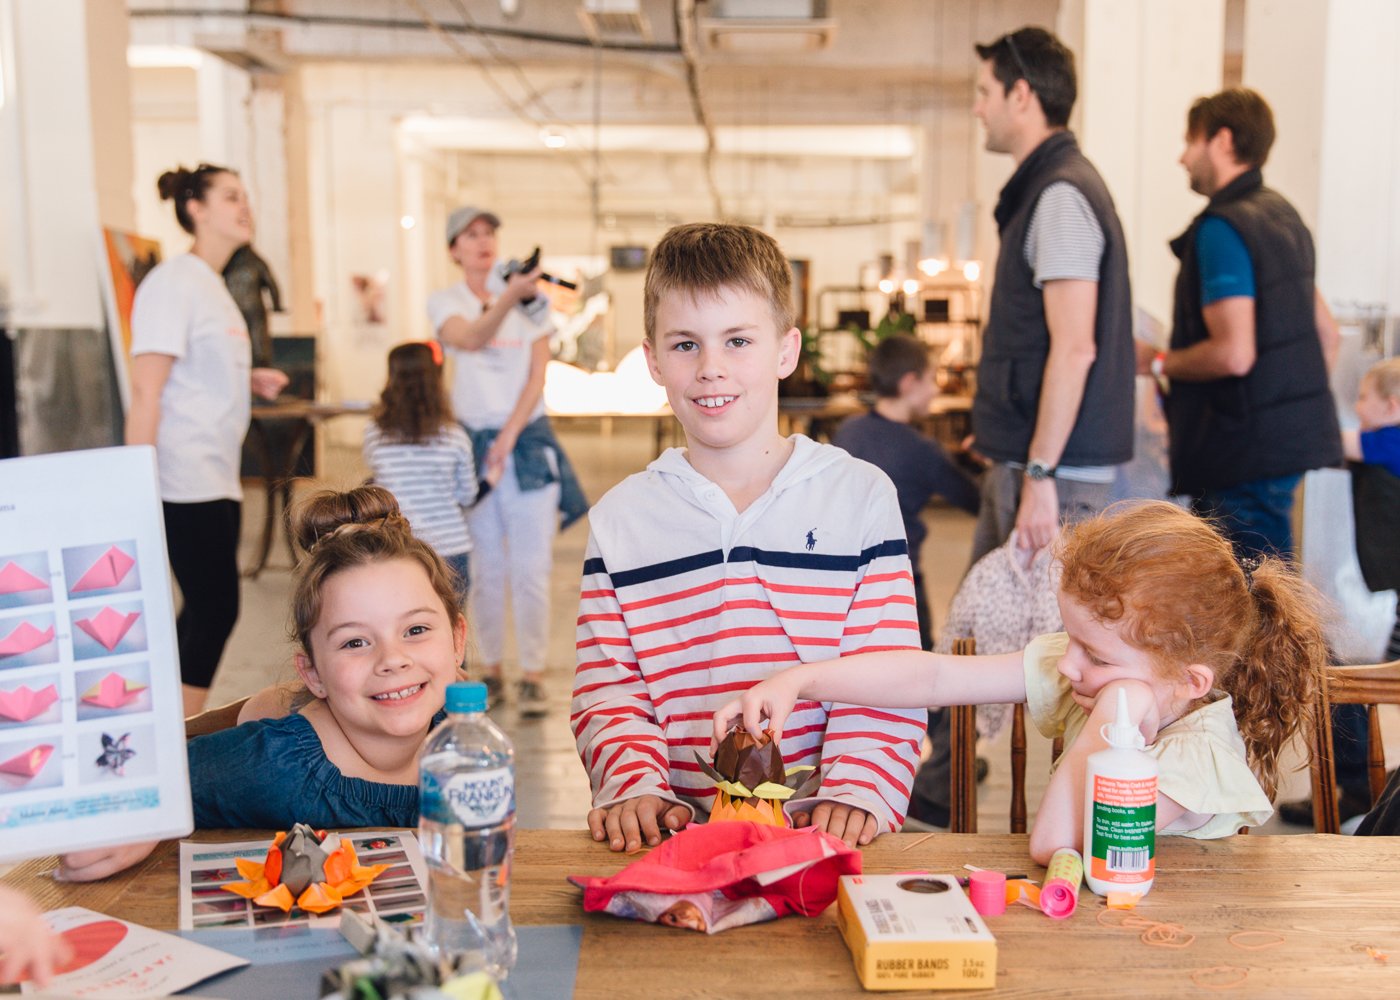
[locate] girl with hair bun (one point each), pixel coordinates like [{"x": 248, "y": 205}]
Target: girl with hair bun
[
  {"x": 379, "y": 636},
  {"x": 1220, "y": 661},
  {"x": 191, "y": 373}
]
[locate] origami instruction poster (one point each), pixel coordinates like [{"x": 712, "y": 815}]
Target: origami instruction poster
[{"x": 92, "y": 741}]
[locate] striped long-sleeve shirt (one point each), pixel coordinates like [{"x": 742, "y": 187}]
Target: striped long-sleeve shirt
[
  {"x": 686, "y": 602},
  {"x": 432, "y": 481}
]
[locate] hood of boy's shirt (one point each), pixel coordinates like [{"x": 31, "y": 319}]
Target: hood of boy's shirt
[{"x": 808, "y": 459}]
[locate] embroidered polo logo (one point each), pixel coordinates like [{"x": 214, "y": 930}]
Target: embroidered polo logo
[{"x": 811, "y": 539}]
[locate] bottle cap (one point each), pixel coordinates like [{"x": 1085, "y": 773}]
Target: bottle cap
[
  {"x": 1121, "y": 733},
  {"x": 466, "y": 696},
  {"x": 987, "y": 890}
]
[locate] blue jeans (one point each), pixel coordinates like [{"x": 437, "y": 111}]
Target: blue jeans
[
  {"x": 1257, "y": 517},
  {"x": 460, "y": 565}
]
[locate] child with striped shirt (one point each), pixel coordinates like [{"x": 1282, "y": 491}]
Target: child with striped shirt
[
  {"x": 420, "y": 454},
  {"x": 734, "y": 557}
]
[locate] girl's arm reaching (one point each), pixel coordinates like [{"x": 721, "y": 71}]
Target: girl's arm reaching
[{"x": 904, "y": 678}]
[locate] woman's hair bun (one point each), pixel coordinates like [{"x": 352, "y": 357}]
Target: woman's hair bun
[
  {"x": 323, "y": 514},
  {"x": 172, "y": 182}
]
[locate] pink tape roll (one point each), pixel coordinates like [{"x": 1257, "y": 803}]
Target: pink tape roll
[{"x": 987, "y": 890}]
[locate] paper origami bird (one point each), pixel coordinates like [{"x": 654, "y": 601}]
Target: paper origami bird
[
  {"x": 309, "y": 868},
  {"x": 751, "y": 782}
]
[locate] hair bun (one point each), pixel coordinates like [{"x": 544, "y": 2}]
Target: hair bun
[
  {"x": 172, "y": 182},
  {"x": 328, "y": 513}
]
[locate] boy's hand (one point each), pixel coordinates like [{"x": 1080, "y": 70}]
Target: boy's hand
[
  {"x": 627, "y": 824},
  {"x": 87, "y": 866},
  {"x": 771, "y": 699},
  {"x": 28, "y": 946},
  {"x": 1142, "y": 706},
  {"x": 853, "y": 825}
]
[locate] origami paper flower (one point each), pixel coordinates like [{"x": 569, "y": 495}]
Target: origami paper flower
[
  {"x": 24, "y": 638},
  {"x": 24, "y": 703},
  {"x": 751, "y": 781},
  {"x": 108, "y": 626},
  {"x": 113, "y": 691},
  {"x": 109, "y": 570},
  {"x": 15, "y": 579},
  {"x": 28, "y": 763},
  {"x": 309, "y": 868}
]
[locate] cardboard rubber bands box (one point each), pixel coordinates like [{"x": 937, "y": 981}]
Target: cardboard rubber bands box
[{"x": 915, "y": 932}]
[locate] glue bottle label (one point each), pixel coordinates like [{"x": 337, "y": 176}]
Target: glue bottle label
[{"x": 1124, "y": 824}]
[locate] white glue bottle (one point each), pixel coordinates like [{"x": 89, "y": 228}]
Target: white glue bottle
[{"x": 1120, "y": 810}]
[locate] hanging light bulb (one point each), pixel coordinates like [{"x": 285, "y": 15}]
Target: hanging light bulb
[
  {"x": 911, "y": 286},
  {"x": 886, "y": 285},
  {"x": 972, "y": 270}
]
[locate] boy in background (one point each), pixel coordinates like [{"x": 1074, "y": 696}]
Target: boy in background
[
  {"x": 903, "y": 379},
  {"x": 722, "y": 563}
]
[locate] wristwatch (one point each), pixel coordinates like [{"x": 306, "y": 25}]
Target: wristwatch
[{"x": 1038, "y": 470}]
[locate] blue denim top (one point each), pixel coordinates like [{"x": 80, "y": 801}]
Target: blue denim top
[{"x": 271, "y": 773}]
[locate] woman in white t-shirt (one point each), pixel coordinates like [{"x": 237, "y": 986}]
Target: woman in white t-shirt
[
  {"x": 497, "y": 332},
  {"x": 191, "y": 371}
]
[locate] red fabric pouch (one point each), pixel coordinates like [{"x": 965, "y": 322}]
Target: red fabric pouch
[{"x": 710, "y": 877}]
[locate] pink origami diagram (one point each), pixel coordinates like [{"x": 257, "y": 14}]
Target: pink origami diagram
[
  {"x": 108, "y": 571},
  {"x": 24, "y": 639},
  {"x": 29, "y": 763},
  {"x": 108, "y": 626},
  {"x": 113, "y": 691},
  {"x": 15, "y": 579},
  {"x": 23, "y": 704}
]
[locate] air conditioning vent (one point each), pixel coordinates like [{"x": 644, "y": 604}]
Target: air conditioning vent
[
  {"x": 614, "y": 20},
  {"x": 767, "y": 26}
]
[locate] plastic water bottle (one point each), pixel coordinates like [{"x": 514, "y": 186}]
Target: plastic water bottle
[{"x": 466, "y": 827}]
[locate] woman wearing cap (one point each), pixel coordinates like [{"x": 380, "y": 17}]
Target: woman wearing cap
[
  {"x": 496, "y": 328},
  {"x": 191, "y": 371}
]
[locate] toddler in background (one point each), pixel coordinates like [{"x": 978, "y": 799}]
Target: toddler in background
[
  {"x": 419, "y": 453},
  {"x": 1376, "y": 481},
  {"x": 1220, "y": 662}
]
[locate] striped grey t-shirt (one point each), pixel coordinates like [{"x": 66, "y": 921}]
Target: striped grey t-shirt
[
  {"x": 1064, "y": 242},
  {"x": 432, "y": 482}
]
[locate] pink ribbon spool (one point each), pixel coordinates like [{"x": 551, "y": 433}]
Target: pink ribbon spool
[{"x": 987, "y": 890}]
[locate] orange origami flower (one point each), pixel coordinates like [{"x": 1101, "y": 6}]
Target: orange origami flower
[
  {"x": 751, "y": 782},
  {"x": 305, "y": 867}
]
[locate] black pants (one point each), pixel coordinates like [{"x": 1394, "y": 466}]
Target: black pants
[{"x": 203, "y": 543}]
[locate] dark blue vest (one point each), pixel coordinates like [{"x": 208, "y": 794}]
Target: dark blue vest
[
  {"x": 1280, "y": 419},
  {"x": 1017, "y": 340}
]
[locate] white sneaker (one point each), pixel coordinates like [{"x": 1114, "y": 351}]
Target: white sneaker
[{"x": 530, "y": 699}]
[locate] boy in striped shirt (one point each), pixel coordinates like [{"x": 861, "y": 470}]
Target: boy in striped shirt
[{"x": 727, "y": 561}]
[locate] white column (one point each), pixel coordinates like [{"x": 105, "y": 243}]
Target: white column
[
  {"x": 1141, "y": 63},
  {"x": 1330, "y": 69},
  {"x": 52, "y": 167}
]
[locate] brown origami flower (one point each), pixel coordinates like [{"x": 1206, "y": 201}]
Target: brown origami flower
[{"x": 751, "y": 782}]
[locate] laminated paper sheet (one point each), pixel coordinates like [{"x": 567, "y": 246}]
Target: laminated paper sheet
[{"x": 92, "y": 749}]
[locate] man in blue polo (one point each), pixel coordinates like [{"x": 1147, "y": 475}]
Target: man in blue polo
[{"x": 1249, "y": 408}]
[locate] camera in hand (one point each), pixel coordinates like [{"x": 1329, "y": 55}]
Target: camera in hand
[{"x": 527, "y": 265}]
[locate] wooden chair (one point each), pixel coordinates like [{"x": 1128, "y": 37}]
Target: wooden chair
[
  {"x": 212, "y": 720},
  {"x": 962, "y": 812},
  {"x": 1369, "y": 685}
]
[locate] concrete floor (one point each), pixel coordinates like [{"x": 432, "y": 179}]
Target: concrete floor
[{"x": 552, "y": 789}]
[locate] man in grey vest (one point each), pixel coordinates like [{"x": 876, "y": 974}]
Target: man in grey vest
[
  {"x": 1054, "y": 403},
  {"x": 1249, "y": 408}
]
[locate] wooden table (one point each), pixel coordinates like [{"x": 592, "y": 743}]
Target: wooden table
[{"x": 1329, "y": 897}]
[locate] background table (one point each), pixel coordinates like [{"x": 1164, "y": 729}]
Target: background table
[{"x": 1328, "y": 897}]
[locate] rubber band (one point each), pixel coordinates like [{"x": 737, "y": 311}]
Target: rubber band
[
  {"x": 1199, "y": 977},
  {"x": 1276, "y": 940}
]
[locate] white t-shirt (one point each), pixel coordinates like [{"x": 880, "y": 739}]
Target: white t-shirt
[
  {"x": 486, "y": 384},
  {"x": 184, "y": 309}
]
